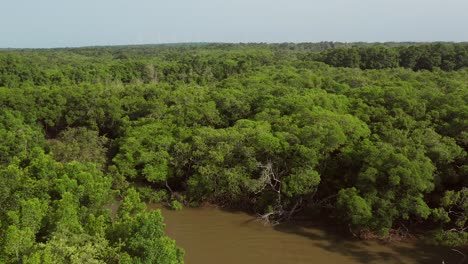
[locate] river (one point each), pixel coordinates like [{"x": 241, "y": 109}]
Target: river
[{"x": 210, "y": 235}]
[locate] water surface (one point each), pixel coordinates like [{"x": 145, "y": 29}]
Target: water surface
[{"x": 211, "y": 236}]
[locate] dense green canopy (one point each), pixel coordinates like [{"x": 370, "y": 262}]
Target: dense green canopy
[{"x": 374, "y": 141}]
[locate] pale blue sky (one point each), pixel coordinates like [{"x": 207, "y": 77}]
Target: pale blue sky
[{"x": 66, "y": 23}]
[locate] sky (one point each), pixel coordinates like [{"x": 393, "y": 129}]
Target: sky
[{"x": 67, "y": 23}]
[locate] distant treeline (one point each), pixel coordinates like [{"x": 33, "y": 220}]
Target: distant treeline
[
  {"x": 447, "y": 57},
  {"x": 207, "y": 62}
]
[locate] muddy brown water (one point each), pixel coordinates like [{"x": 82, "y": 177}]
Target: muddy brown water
[{"x": 211, "y": 235}]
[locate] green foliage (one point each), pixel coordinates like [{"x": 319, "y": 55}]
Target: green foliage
[
  {"x": 371, "y": 134},
  {"x": 454, "y": 212},
  {"x": 342, "y": 57},
  {"x": 303, "y": 182},
  {"x": 79, "y": 144},
  {"x": 147, "y": 242},
  {"x": 55, "y": 213},
  {"x": 17, "y": 137},
  {"x": 17, "y": 242},
  {"x": 144, "y": 152},
  {"x": 142, "y": 233},
  {"x": 176, "y": 205},
  {"x": 354, "y": 207},
  {"x": 450, "y": 238},
  {"x": 151, "y": 195},
  {"x": 417, "y": 57}
]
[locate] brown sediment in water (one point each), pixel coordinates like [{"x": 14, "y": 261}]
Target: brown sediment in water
[{"x": 213, "y": 235}]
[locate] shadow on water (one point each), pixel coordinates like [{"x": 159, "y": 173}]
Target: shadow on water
[
  {"x": 365, "y": 252},
  {"x": 339, "y": 241},
  {"x": 210, "y": 233}
]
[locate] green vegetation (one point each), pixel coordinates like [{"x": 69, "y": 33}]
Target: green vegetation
[
  {"x": 176, "y": 205},
  {"x": 375, "y": 140},
  {"x": 421, "y": 57}
]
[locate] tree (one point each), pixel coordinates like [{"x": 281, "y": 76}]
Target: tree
[
  {"x": 80, "y": 144},
  {"x": 342, "y": 57}
]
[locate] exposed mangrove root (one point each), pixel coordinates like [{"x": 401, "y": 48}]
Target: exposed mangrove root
[{"x": 279, "y": 214}]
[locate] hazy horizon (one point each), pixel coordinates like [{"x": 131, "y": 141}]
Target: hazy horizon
[
  {"x": 208, "y": 43},
  {"x": 55, "y": 23}
]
